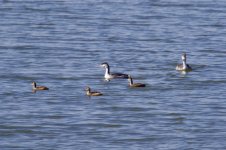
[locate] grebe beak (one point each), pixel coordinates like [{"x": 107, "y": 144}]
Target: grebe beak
[{"x": 103, "y": 66}]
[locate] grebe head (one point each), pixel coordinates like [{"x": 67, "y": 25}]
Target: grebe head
[
  {"x": 105, "y": 65},
  {"x": 183, "y": 57},
  {"x": 34, "y": 84},
  {"x": 87, "y": 88}
]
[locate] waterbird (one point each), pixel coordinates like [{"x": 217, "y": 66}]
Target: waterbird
[
  {"x": 184, "y": 66},
  {"x": 35, "y": 87},
  {"x": 94, "y": 93},
  {"x": 131, "y": 84},
  {"x": 109, "y": 75}
]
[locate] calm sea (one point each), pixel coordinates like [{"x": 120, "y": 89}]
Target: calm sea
[{"x": 61, "y": 44}]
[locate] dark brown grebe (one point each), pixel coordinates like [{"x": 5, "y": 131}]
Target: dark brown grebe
[
  {"x": 89, "y": 93},
  {"x": 131, "y": 84}
]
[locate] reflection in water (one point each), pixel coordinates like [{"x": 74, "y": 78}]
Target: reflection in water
[{"x": 183, "y": 72}]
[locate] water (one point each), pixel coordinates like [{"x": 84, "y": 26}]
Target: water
[{"x": 61, "y": 43}]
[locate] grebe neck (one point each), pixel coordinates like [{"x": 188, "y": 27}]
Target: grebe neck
[
  {"x": 88, "y": 91},
  {"x": 184, "y": 64},
  {"x": 107, "y": 70},
  {"x": 34, "y": 85},
  {"x": 130, "y": 81}
]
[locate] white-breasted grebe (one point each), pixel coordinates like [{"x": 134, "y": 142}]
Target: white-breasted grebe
[
  {"x": 109, "y": 75},
  {"x": 94, "y": 93},
  {"x": 36, "y": 88},
  {"x": 184, "y": 66},
  {"x": 131, "y": 84}
]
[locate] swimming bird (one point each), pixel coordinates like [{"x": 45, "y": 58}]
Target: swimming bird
[
  {"x": 94, "y": 93},
  {"x": 109, "y": 75},
  {"x": 36, "y": 88},
  {"x": 131, "y": 84},
  {"x": 184, "y": 66}
]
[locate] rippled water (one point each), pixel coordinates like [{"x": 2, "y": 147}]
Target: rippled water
[{"x": 61, "y": 43}]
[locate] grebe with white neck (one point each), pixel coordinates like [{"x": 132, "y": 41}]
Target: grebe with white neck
[
  {"x": 38, "y": 88},
  {"x": 184, "y": 66},
  {"x": 109, "y": 75}
]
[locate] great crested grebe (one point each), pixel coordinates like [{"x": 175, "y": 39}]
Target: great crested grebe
[
  {"x": 131, "y": 84},
  {"x": 184, "y": 66},
  {"x": 35, "y": 87},
  {"x": 94, "y": 93},
  {"x": 109, "y": 75}
]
